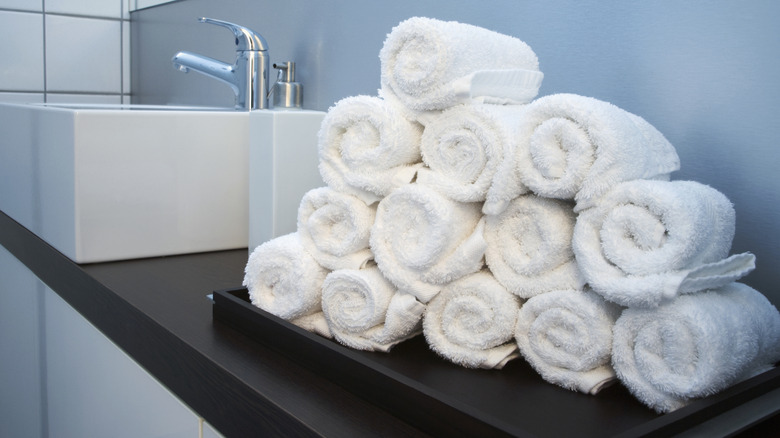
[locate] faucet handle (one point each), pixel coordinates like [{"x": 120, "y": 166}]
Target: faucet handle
[{"x": 246, "y": 39}]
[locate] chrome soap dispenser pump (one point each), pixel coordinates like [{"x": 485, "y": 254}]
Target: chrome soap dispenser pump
[{"x": 287, "y": 94}]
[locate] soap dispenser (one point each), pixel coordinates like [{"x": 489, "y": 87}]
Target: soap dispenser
[{"x": 287, "y": 94}]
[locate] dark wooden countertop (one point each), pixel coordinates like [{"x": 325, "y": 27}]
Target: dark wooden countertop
[{"x": 157, "y": 311}]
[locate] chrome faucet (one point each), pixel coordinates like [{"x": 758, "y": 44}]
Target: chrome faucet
[{"x": 248, "y": 76}]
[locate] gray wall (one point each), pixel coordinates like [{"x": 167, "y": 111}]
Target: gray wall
[{"x": 703, "y": 72}]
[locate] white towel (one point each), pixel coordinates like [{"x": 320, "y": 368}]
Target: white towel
[
  {"x": 284, "y": 280},
  {"x": 463, "y": 147},
  {"x": 429, "y": 64},
  {"x": 576, "y": 147},
  {"x": 696, "y": 345},
  {"x": 471, "y": 322},
  {"x": 367, "y": 147},
  {"x": 566, "y": 336},
  {"x": 366, "y": 312},
  {"x": 646, "y": 241},
  {"x": 422, "y": 240},
  {"x": 529, "y": 246},
  {"x": 334, "y": 228}
]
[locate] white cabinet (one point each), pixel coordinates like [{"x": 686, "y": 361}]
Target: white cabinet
[
  {"x": 21, "y": 369},
  {"x": 61, "y": 377}
]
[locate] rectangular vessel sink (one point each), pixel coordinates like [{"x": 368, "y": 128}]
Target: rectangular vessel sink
[{"x": 104, "y": 183}]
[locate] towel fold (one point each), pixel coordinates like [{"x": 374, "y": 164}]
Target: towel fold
[
  {"x": 422, "y": 240},
  {"x": 696, "y": 345},
  {"x": 529, "y": 246},
  {"x": 334, "y": 228},
  {"x": 366, "y": 312},
  {"x": 284, "y": 280},
  {"x": 463, "y": 147},
  {"x": 566, "y": 336},
  {"x": 429, "y": 64},
  {"x": 645, "y": 242},
  {"x": 471, "y": 322},
  {"x": 576, "y": 147},
  {"x": 367, "y": 147}
]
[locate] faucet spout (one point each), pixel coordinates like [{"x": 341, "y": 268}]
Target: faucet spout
[
  {"x": 187, "y": 61},
  {"x": 248, "y": 76}
]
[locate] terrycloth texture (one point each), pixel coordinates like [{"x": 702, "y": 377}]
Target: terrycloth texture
[
  {"x": 463, "y": 147},
  {"x": 576, "y": 147},
  {"x": 566, "y": 336},
  {"x": 471, "y": 322},
  {"x": 529, "y": 246},
  {"x": 695, "y": 346},
  {"x": 648, "y": 241},
  {"x": 367, "y": 147},
  {"x": 430, "y": 64},
  {"x": 284, "y": 280},
  {"x": 334, "y": 228},
  {"x": 422, "y": 240},
  {"x": 366, "y": 312}
]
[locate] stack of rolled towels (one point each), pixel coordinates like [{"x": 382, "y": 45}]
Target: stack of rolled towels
[{"x": 500, "y": 225}]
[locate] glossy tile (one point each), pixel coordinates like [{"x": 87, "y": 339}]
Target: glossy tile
[
  {"x": 97, "y": 8},
  {"x": 21, "y": 49},
  {"x": 83, "y": 54},
  {"x": 84, "y": 98},
  {"x": 21, "y": 97},
  {"x": 24, "y": 5},
  {"x": 126, "y": 57}
]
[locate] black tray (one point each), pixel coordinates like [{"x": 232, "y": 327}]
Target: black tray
[{"x": 444, "y": 399}]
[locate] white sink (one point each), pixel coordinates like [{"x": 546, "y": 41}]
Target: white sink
[{"x": 103, "y": 183}]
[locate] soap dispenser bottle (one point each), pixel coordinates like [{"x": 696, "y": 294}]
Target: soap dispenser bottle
[{"x": 287, "y": 94}]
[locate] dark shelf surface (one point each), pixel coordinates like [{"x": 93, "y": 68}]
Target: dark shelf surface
[{"x": 156, "y": 310}]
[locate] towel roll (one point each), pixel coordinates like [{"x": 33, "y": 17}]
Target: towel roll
[
  {"x": 366, "y": 312},
  {"x": 529, "y": 246},
  {"x": 284, "y": 280},
  {"x": 648, "y": 241},
  {"x": 422, "y": 240},
  {"x": 566, "y": 336},
  {"x": 471, "y": 322},
  {"x": 334, "y": 228},
  {"x": 696, "y": 345},
  {"x": 576, "y": 147},
  {"x": 430, "y": 65},
  {"x": 367, "y": 147},
  {"x": 463, "y": 147}
]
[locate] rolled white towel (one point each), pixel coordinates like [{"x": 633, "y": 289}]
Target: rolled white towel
[
  {"x": 422, "y": 240},
  {"x": 696, "y": 345},
  {"x": 576, "y": 147},
  {"x": 463, "y": 147},
  {"x": 566, "y": 336},
  {"x": 430, "y": 64},
  {"x": 367, "y": 147},
  {"x": 366, "y": 312},
  {"x": 334, "y": 228},
  {"x": 471, "y": 322},
  {"x": 529, "y": 246},
  {"x": 284, "y": 280},
  {"x": 646, "y": 241}
]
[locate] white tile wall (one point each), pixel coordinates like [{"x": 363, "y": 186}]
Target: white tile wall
[
  {"x": 24, "y": 5},
  {"x": 69, "y": 48},
  {"x": 21, "y": 51},
  {"x": 96, "y": 8},
  {"x": 83, "y": 54}
]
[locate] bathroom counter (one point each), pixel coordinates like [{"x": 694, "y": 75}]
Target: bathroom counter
[{"x": 158, "y": 312}]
